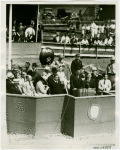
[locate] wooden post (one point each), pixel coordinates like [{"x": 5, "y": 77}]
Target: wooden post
[{"x": 10, "y": 37}]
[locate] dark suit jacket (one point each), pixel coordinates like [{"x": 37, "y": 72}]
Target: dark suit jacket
[
  {"x": 75, "y": 83},
  {"x": 90, "y": 84},
  {"x": 12, "y": 88},
  {"x": 55, "y": 88},
  {"x": 75, "y": 64}
]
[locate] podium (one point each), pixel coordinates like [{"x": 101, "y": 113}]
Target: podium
[{"x": 83, "y": 92}]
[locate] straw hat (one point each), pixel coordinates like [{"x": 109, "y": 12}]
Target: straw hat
[{"x": 10, "y": 75}]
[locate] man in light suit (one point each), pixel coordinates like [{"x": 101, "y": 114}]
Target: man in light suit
[{"x": 104, "y": 84}]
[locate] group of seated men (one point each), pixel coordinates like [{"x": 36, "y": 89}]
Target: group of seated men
[
  {"x": 86, "y": 40},
  {"x": 30, "y": 82}
]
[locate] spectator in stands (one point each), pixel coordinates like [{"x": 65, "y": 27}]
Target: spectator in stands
[
  {"x": 76, "y": 63},
  {"x": 84, "y": 42},
  {"x": 104, "y": 84},
  {"x": 60, "y": 61},
  {"x": 73, "y": 40},
  {"x": 89, "y": 82},
  {"x": 106, "y": 30},
  {"x": 32, "y": 24},
  {"x": 35, "y": 72},
  {"x": 111, "y": 68},
  {"x": 96, "y": 41},
  {"x": 93, "y": 26},
  {"x": 41, "y": 86},
  {"x": 57, "y": 37},
  {"x": 65, "y": 38},
  {"x": 21, "y": 32},
  {"x": 56, "y": 87},
  {"x": 88, "y": 29},
  {"x": 83, "y": 30},
  {"x": 96, "y": 30},
  {"x": 10, "y": 86},
  {"x": 112, "y": 29},
  {"x": 28, "y": 67},
  {"x": 91, "y": 40},
  {"x": 110, "y": 40},
  {"x": 28, "y": 88},
  {"x": 75, "y": 80},
  {"x": 102, "y": 42},
  {"x": 99, "y": 42}
]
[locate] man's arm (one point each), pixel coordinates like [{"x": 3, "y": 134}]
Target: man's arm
[{"x": 72, "y": 67}]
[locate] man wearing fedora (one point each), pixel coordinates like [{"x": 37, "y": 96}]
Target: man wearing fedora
[
  {"x": 111, "y": 68},
  {"x": 111, "y": 71},
  {"x": 10, "y": 86},
  {"x": 76, "y": 63}
]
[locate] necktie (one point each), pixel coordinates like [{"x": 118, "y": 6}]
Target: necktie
[{"x": 104, "y": 81}]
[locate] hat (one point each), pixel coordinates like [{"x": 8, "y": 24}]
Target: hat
[
  {"x": 34, "y": 64},
  {"x": 112, "y": 58},
  {"x": 94, "y": 69},
  {"x": 54, "y": 69},
  {"x": 77, "y": 55},
  {"x": 10, "y": 75}
]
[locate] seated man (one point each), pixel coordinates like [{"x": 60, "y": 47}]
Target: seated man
[
  {"x": 10, "y": 86},
  {"x": 104, "y": 84},
  {"x": 56, "y": 87},
  {"x": 85, "y": 42},
  {"x": 89, "y": 82}
]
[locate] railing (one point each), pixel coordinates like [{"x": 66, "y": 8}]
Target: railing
[{"x": 85, "y": 51}]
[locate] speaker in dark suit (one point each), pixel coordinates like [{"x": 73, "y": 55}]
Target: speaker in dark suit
[{"x": 76, "y": 63}]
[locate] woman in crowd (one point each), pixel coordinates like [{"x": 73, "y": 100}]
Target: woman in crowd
[
  {"x": 28, "y": 87},
  {"x": 28, "y": 68},
  {"x": 35, "y": 70},
  {"x": 41, "y": 86},
  {"x": 62, "y": 77}
]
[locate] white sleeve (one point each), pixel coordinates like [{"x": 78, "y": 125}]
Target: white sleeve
[
  {"x": 109, "y": 85},
  {"x": 41, "y": 87}
]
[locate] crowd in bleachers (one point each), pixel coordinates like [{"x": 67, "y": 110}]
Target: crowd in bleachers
[
  {"x": 91, "y": 34},
  {"x": 22, "y": 33},
  {"x": 29, "y": 81}
]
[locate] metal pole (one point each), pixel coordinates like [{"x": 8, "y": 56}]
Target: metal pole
[
  {"x": 10, "y": 37},
  {"x": 37, "y": 24},
  {"x": 96, "y": 54}
]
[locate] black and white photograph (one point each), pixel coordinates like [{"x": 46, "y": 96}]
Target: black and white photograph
[{"x": 59, "y": 75}]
